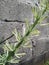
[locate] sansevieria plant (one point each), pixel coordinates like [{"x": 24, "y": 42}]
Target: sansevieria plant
[{"x": 10, "y": 55}]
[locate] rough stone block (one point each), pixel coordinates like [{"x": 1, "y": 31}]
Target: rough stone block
[
  {"x": 41, "y": 46},
  {"x": 15, "y": 10}
]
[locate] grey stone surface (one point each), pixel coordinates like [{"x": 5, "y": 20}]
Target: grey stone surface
[
  {"x": 20, "y": 10},
  {"x": 15, "y": 10},
  {"x": 38, "y": 60},
  {"x": 41, "y": 45},
  {"x": 7, "y": 28}
]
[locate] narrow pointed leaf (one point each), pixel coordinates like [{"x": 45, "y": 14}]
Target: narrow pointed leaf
[
  {"x": 19, "y": 55},
  {"x": 28, "y": 46},
  {"x": 7, "y": 46},
  {"x": 14, "y": 61},
  {"x": 44, "y": 24},
  {"x": 27, "y": 24},
  {"x": 34, "y": 10},
  {"x": 17, "y": 35},
  {"x": 35, "y": 32},
  {"x": 42, "y": 19}
]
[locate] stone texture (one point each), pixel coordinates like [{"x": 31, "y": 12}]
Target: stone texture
[
  {"x": 20, "y": 10},
  {"x": 15, "y": 10},
  {"x": 41, "y": 46},
  {"x": 7, "y": 28}
]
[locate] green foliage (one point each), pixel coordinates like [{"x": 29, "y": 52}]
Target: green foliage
[
  {"x": 47, "y": 63},
  {"x": 10, "y": 50},
  {"x": 17, "y": 35},
  {"x": 44, "y": 24}
]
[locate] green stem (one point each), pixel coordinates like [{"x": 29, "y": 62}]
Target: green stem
[
  {"x": 44, "y": 10},
  {"x": 29, "y": 31}
]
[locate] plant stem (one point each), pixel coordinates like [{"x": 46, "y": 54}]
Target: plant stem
[{"x": 29, "y": 31}]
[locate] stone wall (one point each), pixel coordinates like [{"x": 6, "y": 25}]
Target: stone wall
[{"x": 12, "y": 15}]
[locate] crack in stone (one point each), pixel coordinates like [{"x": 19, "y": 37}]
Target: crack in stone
[
  {"x": 7, "y": 39},
  {"x": 5, "y": 20}
]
